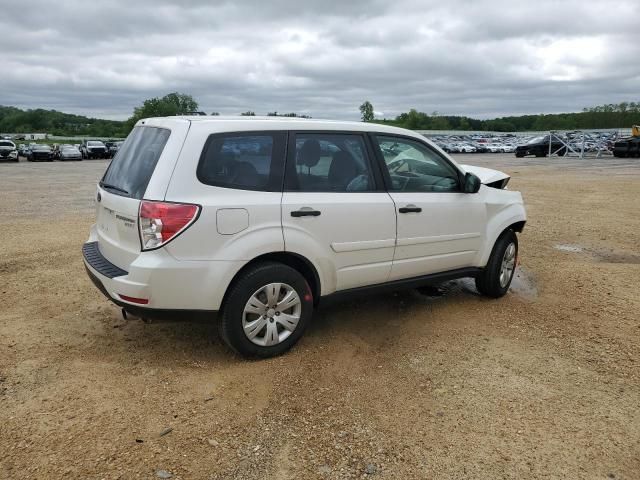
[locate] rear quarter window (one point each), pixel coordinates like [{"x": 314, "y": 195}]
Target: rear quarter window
[
  {"x": 245, "y": 161},
  {"x": 130, "y": 171}
]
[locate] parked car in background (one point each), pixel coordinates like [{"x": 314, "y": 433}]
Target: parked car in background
[
  {"x": 69, "y": 152},
  {"x": 55, "y": 151},
  {"x": 481, "y": 147},
  {"x": 508, "y": 148},
  {"x": 93, "y": 149},
  {"x": 8, "y": 151},
  {"x": 22, "y": 150},
  {"x": 539, "y": 146},
  {"x": 112, "y": 148},
  {"x": 466, "y": 148},
  {"x": 40, "y": 152},
  {"x": 261, "y": 219}
]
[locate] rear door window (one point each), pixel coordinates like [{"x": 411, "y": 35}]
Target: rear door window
[
  {"x": 131, "y": 169},
  {"x": 245, "y": 161},
  {"x": 329, "y": 162}
]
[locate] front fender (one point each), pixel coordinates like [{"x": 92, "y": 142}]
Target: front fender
[{"x": 499, "y": 219}]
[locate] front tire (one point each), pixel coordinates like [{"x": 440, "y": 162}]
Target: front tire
[
  {"x": 495, "y": 279},
  {"x": 266, "y": 310}
]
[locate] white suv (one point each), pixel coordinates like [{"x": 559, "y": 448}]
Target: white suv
[{"x": 262, "y": 218}]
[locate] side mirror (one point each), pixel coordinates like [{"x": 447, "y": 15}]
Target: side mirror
[{"x": 471, "y": 183}]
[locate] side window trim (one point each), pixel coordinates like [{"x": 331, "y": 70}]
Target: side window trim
[
  {"x": 383, "y": 165},
  {"x": 290, "y": 171},
  {"x": 276, "y": 168}
]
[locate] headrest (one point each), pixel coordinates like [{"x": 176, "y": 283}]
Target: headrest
[{"x": 309, "y": 154}]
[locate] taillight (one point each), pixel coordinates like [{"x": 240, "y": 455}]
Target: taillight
[{"x": 161, "y": 221}]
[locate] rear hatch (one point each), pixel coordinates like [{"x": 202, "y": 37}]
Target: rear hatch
[{"x": 141, "y": 169}]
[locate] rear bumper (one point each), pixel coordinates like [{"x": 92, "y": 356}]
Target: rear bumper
[
  {"x": 144, "y": 312},
  {"x": 166, "y": 283}
]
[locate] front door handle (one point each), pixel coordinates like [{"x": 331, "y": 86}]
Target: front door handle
[
  {"x": 305, "y": 212},
  {"x": 410, "y": 209}
]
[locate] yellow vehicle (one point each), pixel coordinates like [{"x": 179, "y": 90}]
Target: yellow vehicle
[{"x": 629, "y": 146}]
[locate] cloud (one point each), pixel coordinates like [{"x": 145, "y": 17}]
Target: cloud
[{"x": 321, "y": 58}]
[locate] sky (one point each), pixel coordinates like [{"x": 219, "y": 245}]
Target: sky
[{"x": 322, "y": 58}]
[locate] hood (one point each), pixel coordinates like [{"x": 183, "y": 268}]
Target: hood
[{"x": 486, "y": 175}]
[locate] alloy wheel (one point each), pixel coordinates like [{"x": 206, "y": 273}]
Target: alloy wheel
[{"x": 271, "y": 314}]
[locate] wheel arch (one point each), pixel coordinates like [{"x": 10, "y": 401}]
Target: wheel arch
[
  {"x": 512, "y": 222},
  {"x": 298, "y": 262},
  {"x": 516, "y": 227}
]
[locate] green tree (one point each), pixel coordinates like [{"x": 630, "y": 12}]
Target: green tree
[
  {"x": 366, "y": 110},
  {"x": 171, "y": 104},
  {"x": 440, "y": 123}
]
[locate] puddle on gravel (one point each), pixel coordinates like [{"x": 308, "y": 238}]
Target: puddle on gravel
[
  {"x": 568, "y": 247},
  {"x": 523, "y": 284},
  {"x": 600, "y": 254}
]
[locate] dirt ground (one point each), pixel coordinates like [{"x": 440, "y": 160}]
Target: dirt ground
[{"x": 544, "y": 383}]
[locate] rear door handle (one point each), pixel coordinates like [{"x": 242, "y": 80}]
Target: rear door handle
[
  {"x": 410, "y": 209},
  {"x": 305, "y": 212}
]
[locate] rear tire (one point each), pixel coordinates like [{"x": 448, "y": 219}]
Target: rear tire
[
  {"x": 266, "y": 310},
  {"x": 495, "y": 279}
]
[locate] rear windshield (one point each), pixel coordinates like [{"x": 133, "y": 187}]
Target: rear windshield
[
  {"x": 131, "y": 169},
  {"x": 6, "y": 144}
]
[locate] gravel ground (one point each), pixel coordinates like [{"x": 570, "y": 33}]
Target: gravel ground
[{"x": 543, "y": 383}]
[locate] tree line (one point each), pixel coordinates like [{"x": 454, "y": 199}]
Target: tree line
[
  {"x": 15, "y": 120},
  {"x": 621, "y": 115}
]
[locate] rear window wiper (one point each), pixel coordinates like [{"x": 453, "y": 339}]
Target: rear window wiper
[{"x": 113, "y": 187}]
